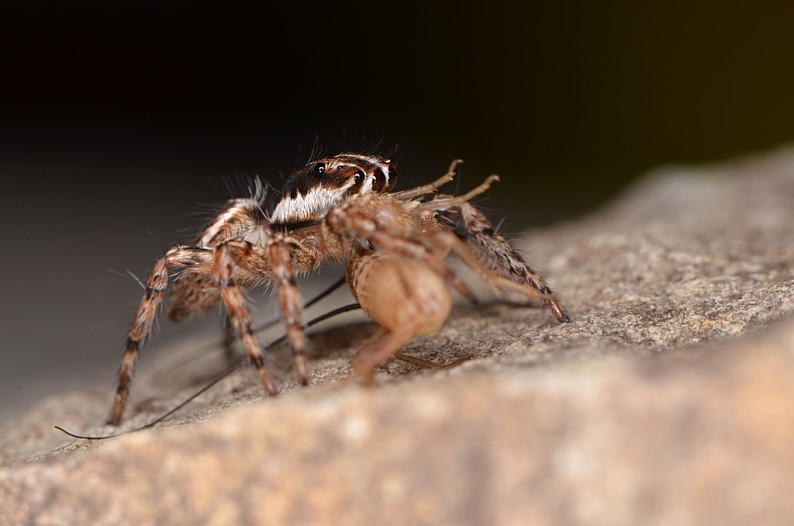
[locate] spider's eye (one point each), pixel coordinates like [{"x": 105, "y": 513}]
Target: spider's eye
[
  {"x": 359, "y": 177},
  {"x": 319, "y": 168}
]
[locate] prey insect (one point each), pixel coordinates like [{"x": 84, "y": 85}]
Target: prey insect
[{"x": 340, "y": 208}]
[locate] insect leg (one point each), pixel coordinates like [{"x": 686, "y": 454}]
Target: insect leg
[
  {"x": 431, "y": 187},
  {"x": 380, "y": 346}
]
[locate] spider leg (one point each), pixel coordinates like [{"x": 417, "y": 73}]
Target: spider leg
[
  {"x": 228, "y": 340},
  {"x": 494, "y": 251},
  {"x": 192, "y": 293},
  {"x": 175, "y": 258},
  {"x": 280, "y": 253},
  {"x": 277, "y": 262},
  {"x": 447, "y": 242},
  {"x": 234, "y": 300}
]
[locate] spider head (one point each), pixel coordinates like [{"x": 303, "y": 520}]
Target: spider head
[{"x": 312, "y": 191}]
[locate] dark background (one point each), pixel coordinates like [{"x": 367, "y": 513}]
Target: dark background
[{"x": 118, "y": 118}]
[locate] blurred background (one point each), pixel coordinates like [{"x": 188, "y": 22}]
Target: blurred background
[{"x": 118, "y": 119}]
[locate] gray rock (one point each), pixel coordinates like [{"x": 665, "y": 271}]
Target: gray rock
[{"x": 667, "y": 400}]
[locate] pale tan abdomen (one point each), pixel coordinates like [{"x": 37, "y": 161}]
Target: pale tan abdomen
[{"x": 400, "y": 294}]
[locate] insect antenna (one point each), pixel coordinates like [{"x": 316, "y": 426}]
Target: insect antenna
[
  {"x": 165, "y": 415},
  {"x": 275, "y": 321},
  {"x": 215, "y": 381},
  {"x": 325, "y": 293}
]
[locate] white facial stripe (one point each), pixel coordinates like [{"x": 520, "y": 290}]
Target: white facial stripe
[{"x": 314, "y": 205}]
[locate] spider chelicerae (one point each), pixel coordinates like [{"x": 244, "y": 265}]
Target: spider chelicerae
[{"x": 342, "y": 208}]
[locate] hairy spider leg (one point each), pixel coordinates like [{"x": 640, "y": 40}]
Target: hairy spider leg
[
  {"x": 156, "y": 284},
  {"x": 495, "y": 252}
]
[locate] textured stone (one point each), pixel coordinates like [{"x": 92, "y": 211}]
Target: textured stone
[{"x": 667, "y": 400}]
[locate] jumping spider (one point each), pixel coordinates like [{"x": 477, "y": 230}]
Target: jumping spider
[{"x": 338, "y": 208}]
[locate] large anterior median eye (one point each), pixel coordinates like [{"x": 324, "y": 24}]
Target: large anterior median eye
[
  {"x": 319, "y": 169},
  {"x": 359, "y": 177}
]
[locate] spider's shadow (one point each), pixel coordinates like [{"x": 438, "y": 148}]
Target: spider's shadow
[{"x": 338, "y": 342}]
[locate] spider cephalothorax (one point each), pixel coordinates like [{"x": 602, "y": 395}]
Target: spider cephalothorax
[
  {"x": 313, "y": 190},
  {"x": 343, "y": 207}
]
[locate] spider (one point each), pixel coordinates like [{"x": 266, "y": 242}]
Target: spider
[{"x": 339, "y": 208}]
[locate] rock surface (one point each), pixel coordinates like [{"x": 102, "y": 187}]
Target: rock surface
[{"x": 667, "y": 400}]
